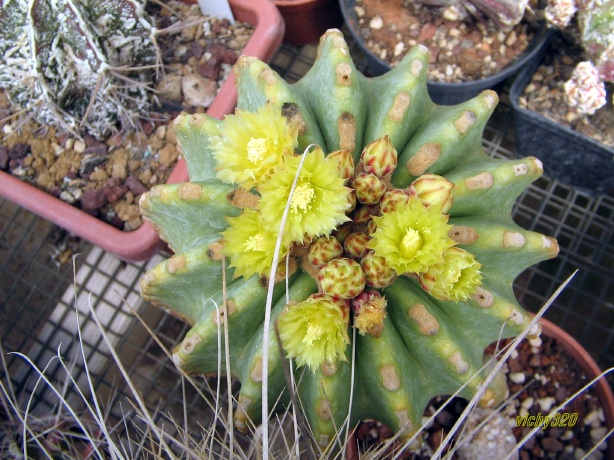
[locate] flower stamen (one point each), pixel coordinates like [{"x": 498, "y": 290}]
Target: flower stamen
[
  {"x": 314, "y": 332},
  {"x": 302, "y": 197},
  {"x": 257, "y": 149},
  {"x": 411, "y": 243}
]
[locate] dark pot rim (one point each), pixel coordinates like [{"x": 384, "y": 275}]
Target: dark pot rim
[{"x": 534, "y": 47}]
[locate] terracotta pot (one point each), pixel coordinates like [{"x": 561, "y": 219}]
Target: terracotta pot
[
  {"x": 592, "y": 370},
  {"x": 307, "y": 20},
  {"x": 586, "y": 362},
  {"x": 144, "y": 242}
]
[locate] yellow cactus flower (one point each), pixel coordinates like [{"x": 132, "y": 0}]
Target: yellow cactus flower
[
  {"x": 250, "y": 145},
  {"x": 411, "y": 238},
  {"x": 369, "y": 313},
  {"x": 249, "y": 246},
  {"x": 315, "y": 330},
  {"x": 319, "y": 201},
  {"x": 456, "y": 278}
]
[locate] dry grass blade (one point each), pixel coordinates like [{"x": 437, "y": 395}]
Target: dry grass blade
[{"x": 473, "y": 402}]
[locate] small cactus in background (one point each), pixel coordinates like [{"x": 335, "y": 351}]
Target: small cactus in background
[
  {"x": 426, "y": 285},
  {"x": 71, "y": 64},
  {"x": 585, "y": 91},
  {"x": 505, "y": 13}
]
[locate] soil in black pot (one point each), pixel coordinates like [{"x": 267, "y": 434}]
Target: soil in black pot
[
  {"x": 460, "y": 50},
  {"x": 545, "y": 94}
]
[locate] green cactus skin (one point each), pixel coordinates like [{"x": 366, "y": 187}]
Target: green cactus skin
[
  {"x": 61, "y": 61},
  {"x": 427, "y": 347}
]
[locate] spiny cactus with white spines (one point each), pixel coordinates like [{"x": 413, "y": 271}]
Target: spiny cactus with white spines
[
  {"x": 422, "y": 271},
  {"x": 585, "y": 91},
  {"x": 72, "y": 63}
]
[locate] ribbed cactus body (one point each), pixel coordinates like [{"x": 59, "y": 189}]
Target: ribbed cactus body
[
  {"x": 67, "y": 62},
  {"x": 426, "y": 346}
]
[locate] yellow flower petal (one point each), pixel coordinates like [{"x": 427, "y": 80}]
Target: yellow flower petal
[
  {"x": 250, "y": 145},
  {"x": 456, "y": 278},
  {"x": 315, "y": 330},
  {"x": 319, "y": 201},
  {"x": 249, "y": 246},
  {"x": 412, "y": 237}
]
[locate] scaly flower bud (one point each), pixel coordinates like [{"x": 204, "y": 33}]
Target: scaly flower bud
[
  {"x": 342, "y": 232},
  {"x": 364, "y": 213},
  {"x": 342, "y": 278},
  {"x": 412, "y": 238},
  {"x": 456, "y": 278},
  {"x": 323, "y": 250},
  {"x": 345, "y": 163},
  {"x": 369, "y": 188},
  {"x": 369, "y": 313},
  {"x": 584, "y": 90},
  {"x": 379, "y": 157},
  {"x": 377, "y": 272},
  {"x": 371, "y": 227},
  {"x": 392, "y": 199},
  {"x": 355, "y": 245},
  {"x": 433, "y": 190},
  {"x": 352, "y": 202},
  {"x": 315, "y": 330}
]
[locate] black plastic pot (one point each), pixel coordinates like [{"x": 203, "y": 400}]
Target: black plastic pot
[
  {"x": 440, "y": 92},
  {"x": 568, "y": 156}
]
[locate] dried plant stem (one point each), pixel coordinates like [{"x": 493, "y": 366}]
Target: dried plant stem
[
  {"x": 227, "y": 354},
  {"x": 498, "y": 366},
  {"x": 267, "y": 313}
]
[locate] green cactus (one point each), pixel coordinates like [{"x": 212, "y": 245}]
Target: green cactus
[
  {"x": 71, "y": 63},
  {"x": 410, "y": 345}
]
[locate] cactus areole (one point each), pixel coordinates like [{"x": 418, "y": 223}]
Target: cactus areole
[{"x": 388, "y": 217}]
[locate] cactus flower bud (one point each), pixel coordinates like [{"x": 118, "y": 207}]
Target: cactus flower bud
[
  {"x": 392, "y": 199},
  {"x": 315, "y": 330},
  {"x": 352, "y": 202},
  {"x": 584, "y": 90},
  {"x": 323, "y": 250},
  {"x": 342, "y": 278},
  {"x": 377, "y": 272},
  {"x": 342, "y": 232},
  {"x": 379, "y": 157},
  {"x": 355, "y": 245},
  {"x": 456, "y": 278},
  {"x": 364, "y": 213},
  {"x": 369, "y": 188},
  {"x": 371, "y": 227},
  {"x": 411, "y": 238},
  {"x": 369, "y": 313},
  {"x": 345, "y": 163},
  {"x": 433, "y": 190}
]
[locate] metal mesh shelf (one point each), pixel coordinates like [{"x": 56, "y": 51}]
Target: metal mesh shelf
[{"x": 37, "y": 308}]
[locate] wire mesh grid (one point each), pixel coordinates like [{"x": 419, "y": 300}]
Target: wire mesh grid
[{"x": 38, "y": 310}]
